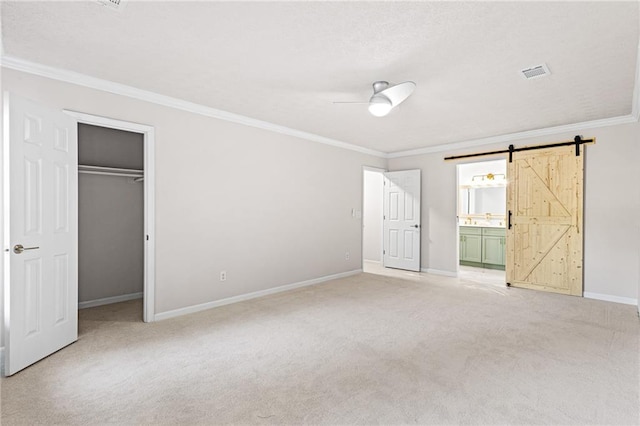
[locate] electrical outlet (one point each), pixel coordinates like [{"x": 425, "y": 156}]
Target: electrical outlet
[
  {"x": 347, "y": 256},
  {"x": 223, "y": 276}
]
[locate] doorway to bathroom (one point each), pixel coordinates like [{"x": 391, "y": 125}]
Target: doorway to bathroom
[{"x": 481, "y": 218}]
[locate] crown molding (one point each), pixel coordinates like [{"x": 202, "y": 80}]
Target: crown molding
[
  {"x": 511, "y": 137},
  {"x": 18, "y": 64}
]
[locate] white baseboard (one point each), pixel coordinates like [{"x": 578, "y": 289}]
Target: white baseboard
[
  {"x": 377, "y": 262},
  {"x": 439, "y": 272},
  {"x": 248, "y": 296},
  {"x": 109, "y": 300},
  {"x": 2, "y": 361},
  {"x": 609, "y": 298}
]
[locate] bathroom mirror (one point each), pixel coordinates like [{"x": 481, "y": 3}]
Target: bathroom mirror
[{"x": 479, "y": 201}]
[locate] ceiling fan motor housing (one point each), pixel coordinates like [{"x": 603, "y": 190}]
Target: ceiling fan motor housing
[{"x": 379, "y": 86}]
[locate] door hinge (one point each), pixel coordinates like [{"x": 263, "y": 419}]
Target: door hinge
[
  {"x": 384, "y": 252},
  {"x": 384, "y": 217},
  {"x": 147, "y": 238}
]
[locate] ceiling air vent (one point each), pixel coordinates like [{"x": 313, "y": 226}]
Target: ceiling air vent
[
  {"x": 112, "y": 4},
  {"x": 535, "y": 72}
]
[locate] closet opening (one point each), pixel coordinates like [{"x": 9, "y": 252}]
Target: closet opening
[
  {"x": 110, "y": 217},
  {"x": 116, "y": 215},
  {"x": 482, "y": 221}
]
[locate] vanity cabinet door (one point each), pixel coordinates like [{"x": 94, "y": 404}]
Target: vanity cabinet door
[
  {"x": 471, "y": 248},
  {"x": 493, "y": 250}
]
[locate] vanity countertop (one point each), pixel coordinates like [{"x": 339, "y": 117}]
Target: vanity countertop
[{"x": 482, "y": 225}]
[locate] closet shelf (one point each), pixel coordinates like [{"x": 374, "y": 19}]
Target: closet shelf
[{"x": 138, "y": 175}]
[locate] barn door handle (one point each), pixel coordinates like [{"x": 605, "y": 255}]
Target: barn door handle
[
  {"x": 19, "y": 248},
  {"x": 509, "y": 219}
]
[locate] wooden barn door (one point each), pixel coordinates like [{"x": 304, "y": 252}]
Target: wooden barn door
[{"x": 544, "y": 239}]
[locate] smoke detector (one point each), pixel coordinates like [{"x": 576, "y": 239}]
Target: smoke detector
[
  {"x": 112, "y": 4},
  {"x": 535, "y": 72}
]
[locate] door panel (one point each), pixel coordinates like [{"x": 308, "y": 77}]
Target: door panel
[
  {"x": 61, "y": 197},
  {"x": 402, "y": 220},
  {"x": 42, "y": 301},
  {"x": 33, "y": 295},
  {"x": 32, "y": 196},
  {"x": 61, "y": 286},
  {"x": 393, "y": 244},
  {"x": 545, "y": 240}
]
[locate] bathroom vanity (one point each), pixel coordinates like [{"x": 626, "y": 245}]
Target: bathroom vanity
[{"x": 483, "y": 246}]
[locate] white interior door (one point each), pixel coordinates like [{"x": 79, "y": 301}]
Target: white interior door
[
  {"x": 401, "y": 220},
  {"x": 40, "y": 241}
]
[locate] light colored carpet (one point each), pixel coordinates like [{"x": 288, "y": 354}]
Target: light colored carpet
[{"x": 368, "y": 349}]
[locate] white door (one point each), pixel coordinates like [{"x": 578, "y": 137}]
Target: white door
[
  {"x": 40, "y": 257},
  {"x": 402, "y": 220}
]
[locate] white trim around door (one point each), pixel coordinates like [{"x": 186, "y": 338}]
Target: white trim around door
[
  {"x": 362, "y": 210},
  {"x": 149, "y": 198}
]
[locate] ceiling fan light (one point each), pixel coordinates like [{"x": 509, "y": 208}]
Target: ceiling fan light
[{"x": 379, "y": 106}]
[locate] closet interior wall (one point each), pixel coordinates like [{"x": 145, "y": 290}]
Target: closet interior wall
[{"x": 110, "y": 217}]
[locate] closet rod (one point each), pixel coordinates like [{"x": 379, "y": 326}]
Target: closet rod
[
  {"x": 92, "y": 172},
  {"x": 110, "y": 171}
]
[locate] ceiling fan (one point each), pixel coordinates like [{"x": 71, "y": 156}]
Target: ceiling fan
[{"x": 386, "y": 97}]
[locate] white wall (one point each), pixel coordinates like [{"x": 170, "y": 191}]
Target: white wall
[
  {"x": 110, "y": 237},
  {"x": 372, "y": 216},
  {"x": 611, "y": 212},
  {"x": 269, "y": 209}
]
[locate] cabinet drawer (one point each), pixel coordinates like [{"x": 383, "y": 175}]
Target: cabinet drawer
[
  {"x": 494, "y": 232},
  {"x": 470, "y": 230}
]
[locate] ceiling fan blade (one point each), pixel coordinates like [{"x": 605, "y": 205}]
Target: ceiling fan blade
[{"x": 398, "y": 93}]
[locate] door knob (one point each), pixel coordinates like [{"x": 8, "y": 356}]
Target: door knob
[
  {"x": 416, "y": 226},
  {"x": 19, "y": 248}
]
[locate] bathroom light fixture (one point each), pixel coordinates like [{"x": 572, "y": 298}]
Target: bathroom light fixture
[{"x": 488, "y": 180}]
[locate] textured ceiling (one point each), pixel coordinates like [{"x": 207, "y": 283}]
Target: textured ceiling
[{"x": 285, "y": 62}]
